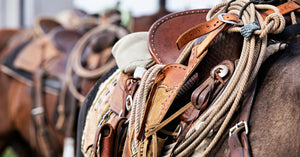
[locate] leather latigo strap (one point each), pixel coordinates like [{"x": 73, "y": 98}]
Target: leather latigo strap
[
  {"x": 207, "y": 91},
  {"x": 283, "y": 8},
  {"x": 123, "y": 94},
  {"x": 110, "y": 138},
  {"x": 238, "y": 140},
  {"x": 103, "y": 144},
  {"x": 202, "y": 29}
]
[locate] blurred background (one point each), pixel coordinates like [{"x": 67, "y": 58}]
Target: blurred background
[{"x": 22, "y": 13}]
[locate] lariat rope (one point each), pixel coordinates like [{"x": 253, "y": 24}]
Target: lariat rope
[
  {"x": 74, "y": 61},
  {"x": 139, "y": 103},
  {"x": 252, "y": 55}
]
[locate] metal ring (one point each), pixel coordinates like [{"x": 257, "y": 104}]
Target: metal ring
[
  {"x": 222, "y": 71},
  {"x": 220, "y": 16},
  {"x": 179, "y": 131},
  {"x": 37, "y": 110},
  {"x": 128, "y": 106}
]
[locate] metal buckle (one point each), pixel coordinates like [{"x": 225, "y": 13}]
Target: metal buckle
[
  {"x": 179, "y": 128},
  {"x": 220, "y": 16},
  {"x": 37, "y": 110},
  {"x": 238, "y": 125},
  {"x": 134, "y": 154},
  {"x": 222, "y": 70},
  {"x": 128, "y": 106}
]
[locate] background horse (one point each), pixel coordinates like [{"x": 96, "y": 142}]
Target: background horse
[{"x": 18, "y": 120}]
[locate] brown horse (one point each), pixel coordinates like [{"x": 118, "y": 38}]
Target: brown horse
[
  {"x": 19, "y": 119},
  {"x": 274, "y": 118}
]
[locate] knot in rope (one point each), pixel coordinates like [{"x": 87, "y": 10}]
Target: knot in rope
[
  {"x": 274, "y": 24},
  {"x": 248, "y": 29}
]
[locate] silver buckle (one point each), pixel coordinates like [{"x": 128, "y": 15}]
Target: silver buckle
[
  {"x": 128, "y": 106},
  {"x": 220, "y": 16},
  {"x": 37, "y": 110},
  {"x": 238, "y": 125}
]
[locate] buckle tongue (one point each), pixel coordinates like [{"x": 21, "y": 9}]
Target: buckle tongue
[
  {"x": 220, "y": 16},
  {"x": 241, "y": 124}
]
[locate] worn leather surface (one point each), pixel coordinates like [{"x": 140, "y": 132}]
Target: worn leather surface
[
  {"x": 166, "y": 90},
  {"x": 117, "y": 97},
  {"x": 238, "y": 144},
  {"x": 164, "y": 33}
]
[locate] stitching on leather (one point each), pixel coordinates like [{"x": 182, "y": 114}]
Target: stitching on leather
[
  {"x": 169, "y": 18},
  {"x": 174, "y": 89},
  {"x": 164, "y": 107}
]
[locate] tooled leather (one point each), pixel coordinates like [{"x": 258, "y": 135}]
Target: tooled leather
[
  {"x": 203, "y": 29},
  {"x": 162, "y": 45},
  {"x": 153, "y": 118},
  {"x": 173, "y": 78},
  {"x": 199, "y": 51}
]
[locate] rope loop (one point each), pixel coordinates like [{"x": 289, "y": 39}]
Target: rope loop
[{"x": 274, "y": 24}]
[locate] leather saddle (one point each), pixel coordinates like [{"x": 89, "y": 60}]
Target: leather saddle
[
  {"x": 49, "y": 50},
  {"x": 163, "y": 49}
]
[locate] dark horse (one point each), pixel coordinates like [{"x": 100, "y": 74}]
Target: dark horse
[{"x": 275, "y": 114}]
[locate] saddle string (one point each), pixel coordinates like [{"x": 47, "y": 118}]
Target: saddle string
[{"x": 252, "y": 56}]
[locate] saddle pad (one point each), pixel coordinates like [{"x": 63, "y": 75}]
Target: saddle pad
[
  {"x": 164, "y": 33},
  {"x": 97, "y": 112},
  {"x": 43, "y": 50},
  {"x": 32, "y": 56},
  {"x": 52, "y": 85}
]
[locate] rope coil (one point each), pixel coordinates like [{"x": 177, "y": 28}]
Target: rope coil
[{"x": 252, "y": 55}]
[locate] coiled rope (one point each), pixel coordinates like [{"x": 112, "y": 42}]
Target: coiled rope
[
  {"x": 252, "y": 55},
  {"x": 139, "y": 103},
  {"x": 74, "y": 61}
]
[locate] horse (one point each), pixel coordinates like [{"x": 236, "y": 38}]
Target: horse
[
  {"x": 262, "y": 121},
  {"x": 38, "y": 118}
]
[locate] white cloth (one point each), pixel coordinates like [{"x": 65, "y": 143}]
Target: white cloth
[{"x": 131, "y": 51}]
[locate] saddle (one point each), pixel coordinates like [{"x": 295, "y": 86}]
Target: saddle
[{"x": 178, "y": 105}]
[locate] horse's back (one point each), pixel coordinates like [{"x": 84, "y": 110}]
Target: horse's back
[{"x": 274, "y": 119}]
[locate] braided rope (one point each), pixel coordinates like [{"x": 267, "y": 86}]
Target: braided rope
[{"x": 252, "y": 55}]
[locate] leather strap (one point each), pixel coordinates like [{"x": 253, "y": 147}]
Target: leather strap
[
  {"x": 238, "y": 144},
  {"x": 238, "y": 141},
  {"x": 103, "y": 143},
  {"x": 202, "y": 29},
  {"x": 283, "y": 8},
  {"x": 209, "y": 26},
  {"x": 46, "y": 142},
  {"x": 120, "y": 127}
]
